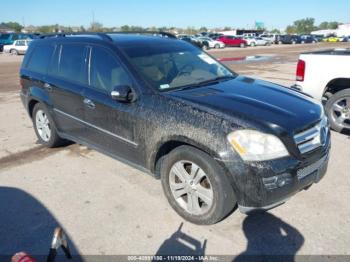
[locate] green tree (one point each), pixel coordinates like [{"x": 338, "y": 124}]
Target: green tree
[
  {"x": 46, "y": 29},
  {"x": 291, "y": 29},
  {"x": 333, "y": 25},
  {"x": 96, "y": 27},
  {"x": 302, "y": 26},
  {"x": 324, "y": 25},
  {"x": 203, "y": 29},
  {"x": 125, "y": 28},
  {"x": 275, "y": 31},
  {"x": 13, "y": 26}
]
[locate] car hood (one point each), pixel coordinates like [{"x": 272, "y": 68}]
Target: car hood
[{"x": 254, "y": 100}]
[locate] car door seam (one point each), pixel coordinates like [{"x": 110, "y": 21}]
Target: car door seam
[{"x": 96, "y": 127}]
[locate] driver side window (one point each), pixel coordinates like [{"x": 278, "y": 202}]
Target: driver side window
[{"x": 106, "y": 72}]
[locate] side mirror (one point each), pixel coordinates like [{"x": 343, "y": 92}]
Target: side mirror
[{"x": 122, "y": 93}]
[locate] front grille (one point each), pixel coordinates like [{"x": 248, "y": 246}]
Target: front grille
[{"x": 312, "y": 138}]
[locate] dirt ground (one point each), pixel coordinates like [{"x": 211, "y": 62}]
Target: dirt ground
[{"x": 108, "y": 208}]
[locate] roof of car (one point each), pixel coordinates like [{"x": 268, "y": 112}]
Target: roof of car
[{"x": 113, "y": 37}]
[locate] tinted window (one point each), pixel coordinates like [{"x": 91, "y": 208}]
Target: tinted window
[
  {"x": 40, "y": 58},
  {"x": 72, "y": 62},
  {"x": 106, "y": 71}
]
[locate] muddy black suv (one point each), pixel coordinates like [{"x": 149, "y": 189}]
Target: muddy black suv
[{"x": 215, "y": 139}]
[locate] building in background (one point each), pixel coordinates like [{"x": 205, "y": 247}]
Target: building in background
[{"x": 341, "y": 31}]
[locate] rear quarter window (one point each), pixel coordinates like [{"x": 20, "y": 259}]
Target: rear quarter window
[{"x": 39, "y": 58}]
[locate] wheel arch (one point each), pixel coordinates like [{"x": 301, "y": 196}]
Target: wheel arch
[
  {"x": 37, "y": 95},
  {"x": 164, "y": 147},
  {"x": 336, "y": 85}
]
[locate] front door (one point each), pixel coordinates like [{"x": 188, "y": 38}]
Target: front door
[{"x": 111, "y": 123}]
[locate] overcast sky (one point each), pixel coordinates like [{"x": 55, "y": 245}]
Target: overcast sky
[{"x": 178, "y": 13}]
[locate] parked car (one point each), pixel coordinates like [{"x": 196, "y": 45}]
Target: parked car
[
  {"x": 19, "y": 47},
  {"x": 215, "y": 36},
  {"x": 256, "y": 41},
  {"x": 196, "y": 42},
  {"x": 332, "y": 39},
  {"x": 346, "y": 39},
  {"x": 289, "y": 39},
  {"x": 325, "y": 76},
  {"x": 212, "y": 43},
  {"x": 319, "y": 38},
  {"x": 10, "y": 38},
  {"x": 271, "y": 38},
  {"x": 308, "y": 39},
  {"x": 232, "y": 41},
  {"x": 214, "y": 138}
]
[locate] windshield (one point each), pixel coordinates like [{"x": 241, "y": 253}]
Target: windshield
[
  {"x": 172, "y": 65},
  {"x": 4, "y": 36}
]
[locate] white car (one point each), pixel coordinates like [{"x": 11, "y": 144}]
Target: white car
[
  {"x": 212, "y": 43},
  {"x": 269, "y": 37},
  {"x": 256, "y": 41},
  {"x": 19, "y": 47},
  {"x": 325, "y": 76}
]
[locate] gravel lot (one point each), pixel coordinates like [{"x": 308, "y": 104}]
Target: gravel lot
[{"x": 109, "y": 208}]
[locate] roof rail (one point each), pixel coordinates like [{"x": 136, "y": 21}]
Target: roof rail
[
  {"x": 105, "y": 35},
  {"x": 161, "y": 33}
]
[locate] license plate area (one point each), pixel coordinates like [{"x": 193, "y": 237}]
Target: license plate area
[{"x": 312, "y": 169}]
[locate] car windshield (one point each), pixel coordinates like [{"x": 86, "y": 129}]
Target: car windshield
[
  {"x": 172, "y": 65},
  {"x": 5, "y": 36}
]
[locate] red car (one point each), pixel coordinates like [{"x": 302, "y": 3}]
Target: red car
[{"x": 229, "y": 40}]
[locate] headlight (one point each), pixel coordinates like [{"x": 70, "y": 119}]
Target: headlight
[{"x": 256, "y": 146}]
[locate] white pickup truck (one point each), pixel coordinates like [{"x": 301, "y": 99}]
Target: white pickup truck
[{"x": 325, "y": 75}]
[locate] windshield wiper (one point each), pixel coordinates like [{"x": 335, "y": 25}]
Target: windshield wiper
[{"x": 206, "y": 82}]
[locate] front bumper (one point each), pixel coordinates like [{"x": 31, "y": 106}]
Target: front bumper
[{"x": 265, "y": 185}]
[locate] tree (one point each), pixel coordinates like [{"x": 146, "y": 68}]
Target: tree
[
  {"x": 305, "y": 26},
  {"x": 275, "y": 31},
  {"x": 96, "y": 26},
  {"x": 302, "y": 26},
  {"x": 328, "y": 25},
  {"x": 203, "y": 29},
  {"x": 291, "y": 30},
  {"x": 13, "y": 26},
  {"x": 333, "y": 25},
  {"x": 125, "y": 28}
]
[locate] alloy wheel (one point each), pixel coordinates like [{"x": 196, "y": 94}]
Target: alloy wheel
[
  {"x": 191, "y": 187},
  {"x": 43, "y": 127},
  {"x": 340, "y": 113}
]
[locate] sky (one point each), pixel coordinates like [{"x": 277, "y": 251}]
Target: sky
[{"x": 177, "y": 13}]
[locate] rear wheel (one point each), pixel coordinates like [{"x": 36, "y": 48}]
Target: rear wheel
[
  {"x": 242, "y": 45},
  {"x": 196, "y": 186},
  {"x": 252, "y": 44},
  {"x": 338, "y": 111},
  {"x": 45, "y": 128},
  {"x": 217, "y": 46}
]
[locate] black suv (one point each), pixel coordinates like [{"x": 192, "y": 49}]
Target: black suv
[{"x": 215, "y": 139}]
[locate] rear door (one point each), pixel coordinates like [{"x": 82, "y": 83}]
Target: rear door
[
  {"x": 66, "y": 81},
  {"x": 111, "y": 123}
]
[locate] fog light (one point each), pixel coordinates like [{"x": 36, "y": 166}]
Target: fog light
[{"x": 277, "y": 181}]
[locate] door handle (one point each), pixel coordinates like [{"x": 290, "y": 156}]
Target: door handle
[
  {"x": 48, "y": 86},
  {"x": 89, "y": 103}
]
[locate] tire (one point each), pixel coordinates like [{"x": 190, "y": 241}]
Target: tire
[
  {"x": 51, "y": 139},
  {"x": 338, "y": 111},
  {"x": 242, "y": 45},
  {"x": 303, "y": 42},
  {"x": 293, "y": 42},
  {"x": 217, "y": 46},
  {"x": 214, "y": 180},
  {"x": 13, "y": 52},
  {"x": 280, "y": 42},
  {"x": 252, "y": 44}
]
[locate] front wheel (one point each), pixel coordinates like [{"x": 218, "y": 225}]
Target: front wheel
[
  {"x": 338, "y": 111},
  {"x": 242, "y": 45},
  {"x": 217, "y": 46},
  {"x": 45, "y": 128},
  {"x": 196, "y": 186}
]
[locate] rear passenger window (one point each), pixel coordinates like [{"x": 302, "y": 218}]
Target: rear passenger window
[
  {"x": 106, "y": 71},
  {"x": 40, "y": 58},
  {"x": 72, "y": 62}
]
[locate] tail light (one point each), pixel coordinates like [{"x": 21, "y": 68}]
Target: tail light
[{"x": 301, "y": 70}]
